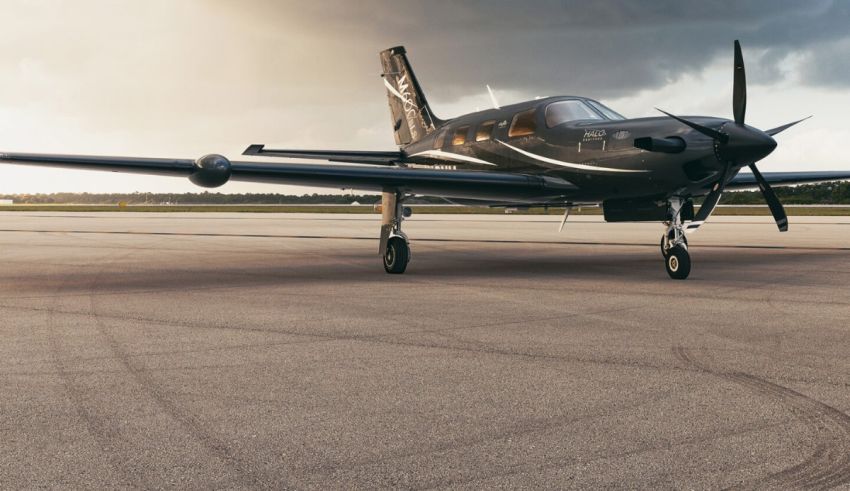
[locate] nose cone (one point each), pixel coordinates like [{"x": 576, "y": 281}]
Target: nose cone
[{"x": 746, "y": 144}]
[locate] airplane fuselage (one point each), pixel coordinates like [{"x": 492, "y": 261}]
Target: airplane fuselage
[{"x": 596, "y": 155}]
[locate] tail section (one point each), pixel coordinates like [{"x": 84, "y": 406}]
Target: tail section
[{"x": 412, "y": 117}]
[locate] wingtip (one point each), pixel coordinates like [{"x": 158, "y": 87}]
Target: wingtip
[{"x": 255, "y": 149}]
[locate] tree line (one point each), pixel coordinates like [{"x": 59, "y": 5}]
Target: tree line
[{"x": 834, "y": 193}]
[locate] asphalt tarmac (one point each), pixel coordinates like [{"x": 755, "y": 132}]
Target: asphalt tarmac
[{"x": 272, "y": 351}]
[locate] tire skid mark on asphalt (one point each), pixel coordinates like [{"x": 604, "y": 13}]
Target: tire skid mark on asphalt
[
  {"x": 192, "y": 425},
  {"x": 327, "y": 337},
  {"x": 386, "y": 339},
  {"x": 521, "y": 428},
  {"x": 600, "y": 456},
  {"x": 103, "y": 434},
  {"x": 781, "y": 305},
  {"x": 479, "y": 289},
  {"x": 829, "y": 465},
  {"x": 321, "y": 337}
]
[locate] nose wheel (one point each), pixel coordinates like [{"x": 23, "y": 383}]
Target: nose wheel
[
  {"x": 678, "y": 263},
  {"x": 674, "y": 244}
]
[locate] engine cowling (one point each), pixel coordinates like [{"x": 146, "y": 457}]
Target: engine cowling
[{"x": 211, "y": 171}]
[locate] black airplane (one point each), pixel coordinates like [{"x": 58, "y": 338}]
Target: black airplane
[{"x": 557, "y": 151}]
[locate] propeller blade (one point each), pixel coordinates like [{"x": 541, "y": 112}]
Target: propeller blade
[
  {"x": 739, "y": 90},
  {"x": 710, "y": 201},
  {"x": 702, "y": 129},
  {"x": 773, "y": 203},
  {"x": 784, "y": 127}
]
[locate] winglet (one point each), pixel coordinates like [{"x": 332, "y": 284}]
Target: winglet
[{"x": 254, "y": 150}]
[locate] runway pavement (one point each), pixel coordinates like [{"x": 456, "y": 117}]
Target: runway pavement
[{"x": 272, "y": 351}]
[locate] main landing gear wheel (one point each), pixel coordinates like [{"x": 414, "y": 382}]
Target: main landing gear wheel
[
  {"x": 396, "y": 256},
  {"x": 393, "y": 248},
  {"x": 678, "y": 262}
]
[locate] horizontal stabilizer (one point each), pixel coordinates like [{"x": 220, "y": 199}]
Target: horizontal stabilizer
[{"x": 350, "y": 156}]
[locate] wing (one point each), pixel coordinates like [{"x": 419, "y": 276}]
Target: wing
[
  {"x": 745, "y": 181},
  {"x": 350, "y": 156},
  {"x": 215, "y": 170}
]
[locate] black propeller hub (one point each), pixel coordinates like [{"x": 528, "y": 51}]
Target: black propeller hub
[{"x": 743, "y": 144}]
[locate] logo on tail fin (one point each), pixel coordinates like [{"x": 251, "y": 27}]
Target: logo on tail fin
[{"x": 408, "y": 103}]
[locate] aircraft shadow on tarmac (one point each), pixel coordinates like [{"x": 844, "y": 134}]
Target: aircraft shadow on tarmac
[{"x": 222, "y": 270}]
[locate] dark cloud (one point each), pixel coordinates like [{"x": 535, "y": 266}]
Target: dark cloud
[
  {"x": 828, "y": 65},
  {"x": 601, "y": 48}
]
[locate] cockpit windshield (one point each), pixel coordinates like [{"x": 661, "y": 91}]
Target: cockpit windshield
[
  {"x": 605, "y": 110},
  {"x": 562, "y": 112},
  {"x": 565, "y": 111}
]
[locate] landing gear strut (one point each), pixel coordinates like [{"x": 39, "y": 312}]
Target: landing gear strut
[
  {"x": 394, "y": 246},
  {"x": 674, "y": 245}
]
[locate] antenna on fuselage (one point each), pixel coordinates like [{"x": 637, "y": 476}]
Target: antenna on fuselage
[
  {"x": 493, "y": 98},
  {"x": 564, "y": 221}
]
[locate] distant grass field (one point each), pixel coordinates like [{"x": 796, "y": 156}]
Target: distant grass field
[{"x": 418, "y": 209}]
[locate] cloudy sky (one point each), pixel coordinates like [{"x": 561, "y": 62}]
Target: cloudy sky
[{"x": 166, "y": 78}]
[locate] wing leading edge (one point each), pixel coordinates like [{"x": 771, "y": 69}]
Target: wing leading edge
[{"x": 214, "y": 170}]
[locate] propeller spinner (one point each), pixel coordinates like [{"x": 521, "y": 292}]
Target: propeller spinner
[{"x": 739, "y": 144}]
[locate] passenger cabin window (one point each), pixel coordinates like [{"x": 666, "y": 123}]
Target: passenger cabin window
[
  {"x": 485, "y": 131},
  {"x": 440, "y": 140},
  {"x": 460, "y": 135},
  {"x": 566, "y": 111},
  {"x": 523, "y": 124}
]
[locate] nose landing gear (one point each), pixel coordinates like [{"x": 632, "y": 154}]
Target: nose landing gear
[{"x": 674, "y": 244}]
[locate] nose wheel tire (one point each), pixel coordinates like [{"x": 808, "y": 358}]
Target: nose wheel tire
[
  {"x": 678, "y": 263},
  {"x": 397, "y": 256}
]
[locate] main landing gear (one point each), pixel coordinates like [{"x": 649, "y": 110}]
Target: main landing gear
[
  {"x": 674, "y": 244},
  {"x": 394, "y": 247}
]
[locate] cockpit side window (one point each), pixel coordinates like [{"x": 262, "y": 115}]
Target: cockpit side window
[
  {"x": 485, "y": 131},
  {"x": 523, "y": 124},
  {"x": 460, "y": 135},
  {"x": 606, "y": 111},
  {"x": 565, "y": 111}
]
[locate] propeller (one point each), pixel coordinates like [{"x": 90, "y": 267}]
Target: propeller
[
  {"x": 784, "y": 127},
  {"x": 737, "y": 145}
]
